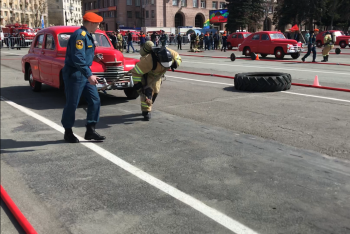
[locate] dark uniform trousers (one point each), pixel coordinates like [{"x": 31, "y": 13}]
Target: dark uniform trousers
[
  {"x": 80, "y": 54},
  {"x": 75, "y": 86}
]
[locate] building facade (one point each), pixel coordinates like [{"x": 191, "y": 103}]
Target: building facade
[
  {"x": 152, "y": 13},
  {"x": 24, "y": 12},
  {"x": 65, "y": 12}
]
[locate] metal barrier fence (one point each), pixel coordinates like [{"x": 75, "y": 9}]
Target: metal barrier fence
[
  {"x": 15, "y": 42},
  {"x": 172, "y": 40}
]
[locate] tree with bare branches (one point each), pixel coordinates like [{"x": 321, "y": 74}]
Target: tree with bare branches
[{"x": 40, "y": 8}]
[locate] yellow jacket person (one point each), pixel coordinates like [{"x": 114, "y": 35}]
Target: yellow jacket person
[
  {"x": 328, "y": 45},
  {"x": 120, "y": 42},
  {"x": 147, "y": 74}
]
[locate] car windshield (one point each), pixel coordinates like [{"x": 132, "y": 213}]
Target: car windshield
[
  {"x": 339, "y": 33},
  {"x": 277, "y": 36},
  {"x": 26, "y": 30},
  {"x": 246, "y": 35},
  {"x": 100, "y": 40}
]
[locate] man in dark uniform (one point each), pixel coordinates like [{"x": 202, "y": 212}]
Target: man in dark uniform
[
  {"x": 79, "y": 80},
  {"x": 311, "y": 46},
  {"x": 224, "y": 42}
]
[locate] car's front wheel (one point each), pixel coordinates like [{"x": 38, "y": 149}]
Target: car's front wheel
[
  {"x": 295, "y": 55},
  {"x": 319, "y": 44},
  {"x": 35, "y": 85},
  {"x": 247, "y": 51},
  {"x": 279, "y": 53},
  {"x": 229, "y": 46},
  {"x": 342, "y": 44},
  {"x": 131, "y": 93}
]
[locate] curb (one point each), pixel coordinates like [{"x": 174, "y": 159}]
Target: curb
[
  {"x": 296, "y": 84},
  {"x": 284, "y": 61},
  {"x": 21, "y": 219}
]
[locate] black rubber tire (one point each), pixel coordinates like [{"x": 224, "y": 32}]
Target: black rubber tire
[
  {"x": 131, "y": 93},
  {"x": 342, "y": 44},
  {"x": 263, "y": 55},
  {"x": 319, "y": 44},
  {"x": 337, "y": 51},
  {"x": 246, "y": 51},
  {"x": 263, "y": 81},
  {"x": 279, "y": 53},
  {"x": 295, "y": 55},
  {"x": 233, "y": 57},
  {"x": 229, "y": 46},
  {"x": 34, "y": 85}
]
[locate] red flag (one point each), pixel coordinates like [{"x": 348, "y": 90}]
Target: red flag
[{"x": 294, "y": 28}]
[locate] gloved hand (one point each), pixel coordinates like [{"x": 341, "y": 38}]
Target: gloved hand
[
  {"x": 173, "y": 66},
  {"x": 138, "y": 86}
]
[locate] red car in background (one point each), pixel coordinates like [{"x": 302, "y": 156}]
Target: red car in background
[
  {"x": 45, "y": 59},
  {"x": 342, "y": 40},
  {"x": 234, "y": 39},
  {"x": 270, "y": 42}
]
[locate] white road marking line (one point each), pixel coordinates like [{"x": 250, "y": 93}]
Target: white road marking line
[
  {"x": 204, "y": 81},
  {"x": 12, "y": 53},
  {"x": 300, "y": 94},
  {"x": 215, "y": 215},
  {"x": 307, "y": 95},
  {"x": 275, "y": 68}
]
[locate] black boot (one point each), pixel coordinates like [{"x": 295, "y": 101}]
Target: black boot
[
  {"x": 303, "y": 59},
  {"x": 69, "y": 136},
  {"x": 327, "y": 58},
  {"x": 324, "y": 59},
  {"x": 91, "y": 134},
  {"x": 146, "y": 115}
]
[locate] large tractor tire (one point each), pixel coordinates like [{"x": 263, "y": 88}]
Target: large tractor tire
[{"x": 263, "y": 81}]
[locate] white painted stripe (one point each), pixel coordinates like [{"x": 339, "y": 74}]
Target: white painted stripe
[
  {"x": 217, "y": 216},
  {"x": 12, "y": 53},
  {"x": 300, "y": 94},
  {"x": 307, "y": 95},
  {"x": 275, "y": 68},
  {"x": 204, "y": 81}
]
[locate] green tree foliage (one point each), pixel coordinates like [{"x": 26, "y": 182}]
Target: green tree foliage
[
  {"x": 243, "y": 14},
  {"x": 324, "y": 13}
]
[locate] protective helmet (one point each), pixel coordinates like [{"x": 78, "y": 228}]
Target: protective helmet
[
  {"x": 328, "y": 32},
  {"x": 165, "y": 57},
  {"x": 147, "y": 48}
]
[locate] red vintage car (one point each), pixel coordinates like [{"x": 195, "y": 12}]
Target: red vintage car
[
  {"x": 234, "y": 39},
  {"x": 269, "y": 42},
  {"x": 341, "y": 40},
  {"x": 45, "y": 59}
]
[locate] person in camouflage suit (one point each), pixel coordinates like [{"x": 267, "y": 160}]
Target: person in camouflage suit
[{"x": 120, "y": 42}]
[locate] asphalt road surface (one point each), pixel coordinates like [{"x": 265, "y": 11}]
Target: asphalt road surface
[{"x": 211, "y": 160}]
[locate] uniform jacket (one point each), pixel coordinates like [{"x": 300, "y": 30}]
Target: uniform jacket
[
  {"x": 142, "y": 38},
  {"x": 312, "y": 39},
  {"x": 163, "y": 38},
  {"x": 179, "y": 38},
  {"x": 327, "y": 39},
  {"x": 120, "y": 37},
  {"x": 80, "y": 52},
  {"x": 216, "y": 37},
  {"x": 145, "y": 67}
]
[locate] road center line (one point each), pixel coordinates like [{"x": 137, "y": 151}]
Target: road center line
[
  {"x": 275, "y": 68},
  {"x": 300, "y": 94},
  {"x": 215, "y": 215}
]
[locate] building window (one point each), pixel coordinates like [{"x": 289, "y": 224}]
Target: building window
[
  {"x": 129, "y": 14},
  {"x": 153, "y": 14},
  {"x": 152, "y": 2},
  {"x": 147, "y": 14},
  {"x": 128, "y": 2},
  {"x": 137, "y": 2},
  {"x": 105, "y": 3},
  {"x": 137, "y": 14},
  {"x": 184, "y": 3},
  {"x": 111, "y": 14},
  {"x": 95, "y": 4},
  {"x": 202, "y": 4},
  {"x": 174, "y": 2},
  {"x": 5, "y": 13},
  {"x": 222, "y": 5},
  {"x": 215, "y": 5}
]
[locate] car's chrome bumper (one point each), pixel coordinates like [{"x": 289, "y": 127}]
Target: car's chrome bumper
[
  {"x": 117, "y": 79},
  {"x": 294, "y": 49}
]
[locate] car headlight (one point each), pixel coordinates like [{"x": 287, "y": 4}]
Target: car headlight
[{"x": 289, "y": 46}]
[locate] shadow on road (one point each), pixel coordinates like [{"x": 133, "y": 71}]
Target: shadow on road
[
  {"x": 50, "y": 98},
  {"x": 107, "y": 121},
  {"x": 7, "y": 144}
]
